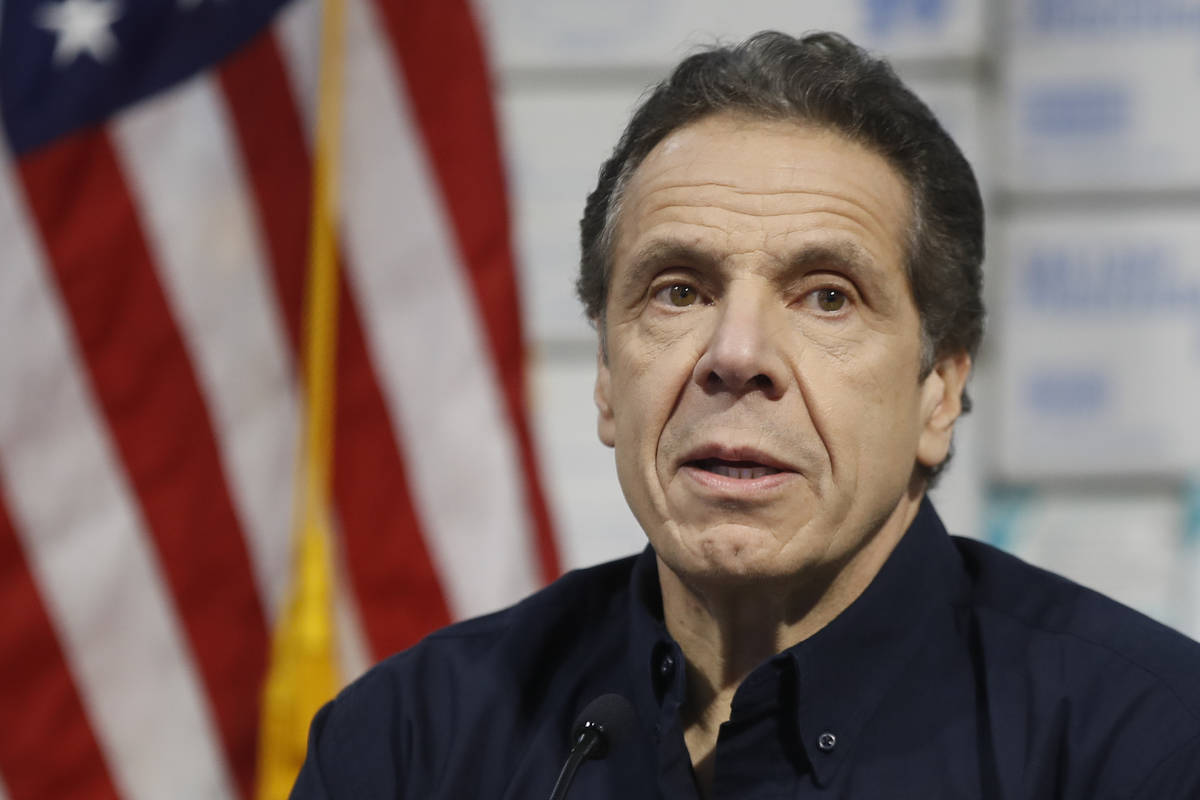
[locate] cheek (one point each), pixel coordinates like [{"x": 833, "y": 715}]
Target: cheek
[
  {"x": 652, "y": 376},
  {"x": 641, "y": 408},
  {"x": 867, "y": 411}
]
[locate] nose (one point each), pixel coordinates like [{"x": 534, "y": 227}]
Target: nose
[{"x": 743, "y": 351}]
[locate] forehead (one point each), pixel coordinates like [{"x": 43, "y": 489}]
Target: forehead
[{"x": 743, "y": 179}]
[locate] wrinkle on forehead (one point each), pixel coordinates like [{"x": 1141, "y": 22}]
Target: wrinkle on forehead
[
  {"x": 719, "y": 163},
  {"x": 855, "y": 186}
]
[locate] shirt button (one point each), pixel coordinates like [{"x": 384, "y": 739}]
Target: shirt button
[
  {"x": 826, "y": 741},
  {"x": 666, "y": 666}
]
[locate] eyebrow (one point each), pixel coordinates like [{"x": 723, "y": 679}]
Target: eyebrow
[
  {"x": 849, "y": 256},
  {"x": 651, "y": 257},
  {"x": 843, "y": 254}
]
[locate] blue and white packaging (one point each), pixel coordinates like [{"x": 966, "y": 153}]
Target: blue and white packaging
[
  {"x": 1099, "y": 339},
  {"x": 535, "y": 34},
  {"x": 1102, "y": 94}
]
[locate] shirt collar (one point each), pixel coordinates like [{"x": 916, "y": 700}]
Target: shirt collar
[{"x": 843, "y": 671}]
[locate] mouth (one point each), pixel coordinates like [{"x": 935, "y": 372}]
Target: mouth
[
  {"x": 739, "y": 479},
  {"x": 738, "y": 470}
]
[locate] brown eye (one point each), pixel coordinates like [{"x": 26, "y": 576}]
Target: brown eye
[
  {"x": 681, "y": 295},
  {"x": 831, "y": 300}
]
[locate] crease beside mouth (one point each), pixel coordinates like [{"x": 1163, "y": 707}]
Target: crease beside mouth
[{"x": 742, "y": 470}]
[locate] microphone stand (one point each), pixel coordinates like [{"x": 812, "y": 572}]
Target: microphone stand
[{"x": 590, "y": 737}]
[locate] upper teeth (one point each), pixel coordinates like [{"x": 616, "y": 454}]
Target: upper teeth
[{"x": 744, "y": 473}]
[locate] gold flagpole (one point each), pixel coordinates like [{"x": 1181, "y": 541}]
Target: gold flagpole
[{"x": 303, "y": 674}]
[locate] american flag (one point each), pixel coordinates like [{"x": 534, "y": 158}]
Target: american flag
[{"x": 154, "y": 215}]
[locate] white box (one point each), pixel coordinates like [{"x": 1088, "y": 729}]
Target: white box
[
  {"x": 1102, "y": 95},
  {"x": 1099, "y": 339},
  {"x": 538, "y": 34}
]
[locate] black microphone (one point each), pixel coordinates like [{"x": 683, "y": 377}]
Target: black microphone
[{"x": 602, "y": 725}]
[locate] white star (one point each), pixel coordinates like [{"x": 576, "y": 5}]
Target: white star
[{"x": 82, "y": 26}]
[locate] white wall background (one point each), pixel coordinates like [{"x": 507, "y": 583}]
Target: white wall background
[{"x": 1082, "y": 118}]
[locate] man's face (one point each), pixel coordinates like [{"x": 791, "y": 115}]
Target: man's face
[{"x": 762, "y": 385}]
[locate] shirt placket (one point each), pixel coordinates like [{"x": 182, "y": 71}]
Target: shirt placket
[{"x": 758, "y": 754}]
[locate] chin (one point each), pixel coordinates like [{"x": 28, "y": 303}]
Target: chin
[{"x": 736, "y": 553}]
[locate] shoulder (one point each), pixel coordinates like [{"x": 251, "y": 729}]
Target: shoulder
[
  {"x": 574, "y": 614},
  {"x": 569, "y": 615},
  {"x": 1048, "y": 606},
  {"x": 481, "y": 675},
  {"x": 1114, "y": 689}
]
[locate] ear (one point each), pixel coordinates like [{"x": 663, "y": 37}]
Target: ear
[
  {"x": 941, "y": 406},
  {"x": 605, "y": 425}
]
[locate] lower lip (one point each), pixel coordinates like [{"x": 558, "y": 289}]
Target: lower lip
[{"x": 742, "y": 487}]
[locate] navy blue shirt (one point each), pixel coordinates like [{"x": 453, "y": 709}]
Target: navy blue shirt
[{"x": 961, "y": 672}]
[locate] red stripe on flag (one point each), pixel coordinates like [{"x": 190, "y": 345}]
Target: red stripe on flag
[
  {"x": 47, "y": 748},
  {"x": 396, "y": 584},
  {"x": 141, "y": 376},
  {"x": 438, "y": 46}
]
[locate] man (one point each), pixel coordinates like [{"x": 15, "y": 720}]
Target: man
[{"x": 782, "y": 260}]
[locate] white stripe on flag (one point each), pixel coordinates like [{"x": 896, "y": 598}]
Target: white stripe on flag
[
  {"x": 206, "y": 243},
  {"x": 428, "y": 345},
  {"x": 298, "y": 32},
  {"x": 87, "y": 546}
]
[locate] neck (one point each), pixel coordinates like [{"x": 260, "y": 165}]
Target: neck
[{"x": 727, "y": 629}]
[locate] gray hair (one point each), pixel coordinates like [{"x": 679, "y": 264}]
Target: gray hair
[{"x": 826, "y": 80}]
